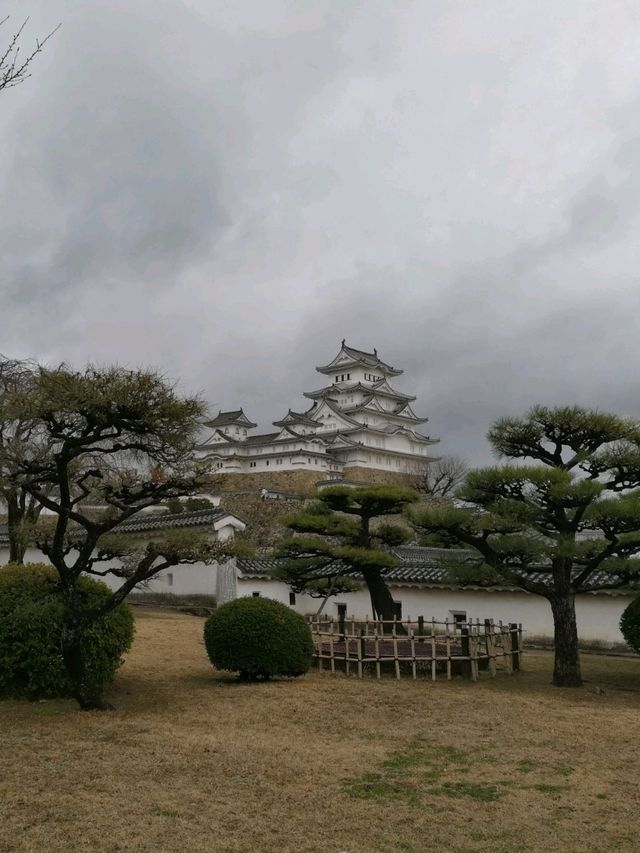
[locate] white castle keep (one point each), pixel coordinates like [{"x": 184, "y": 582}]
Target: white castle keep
[{"x": 356, "y": 423}]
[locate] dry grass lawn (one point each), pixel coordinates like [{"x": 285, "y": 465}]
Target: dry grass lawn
[{"x": 193, "y": 761}]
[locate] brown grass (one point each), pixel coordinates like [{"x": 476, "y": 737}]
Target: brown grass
[{"x": 193, "y": 761}]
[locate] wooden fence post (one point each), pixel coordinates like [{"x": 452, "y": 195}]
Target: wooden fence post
[
  {"x": 515, "y": 645},
  {"x": 361, "y": 652},
  {"x": 465, "y": 649}
]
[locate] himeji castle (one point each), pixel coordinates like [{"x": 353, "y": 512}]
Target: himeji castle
[{"x": 358, "y": 427}]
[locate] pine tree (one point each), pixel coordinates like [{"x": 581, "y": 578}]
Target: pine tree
[
  {"x": 567, "y": 525},
  {"x": 126, "y": 439},
  {"x": 338, "y": 536}
]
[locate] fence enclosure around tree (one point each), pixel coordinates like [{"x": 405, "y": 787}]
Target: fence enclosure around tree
[{"x": 416, "y": 649}]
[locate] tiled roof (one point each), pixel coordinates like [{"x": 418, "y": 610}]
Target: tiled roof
[
  {"x": 156, "y": 521},
  {"x": 296, "y": 418},
  {"x": 162, "y": 521},
  {"x": 372, "y": 359},
  {"x": 419, "y": 565},
  {"x": 362, "y": 355},
  {"x": 226, "y": 418}
]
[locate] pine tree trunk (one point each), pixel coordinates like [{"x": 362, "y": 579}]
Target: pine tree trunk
[
  {"x": 566, "y": 669},
  {"x": 74, "y": 665},
  {"x": 382, "y": 602}
]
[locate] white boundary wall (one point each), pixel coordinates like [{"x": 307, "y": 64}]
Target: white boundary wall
[{"x": 598, "y": 614}]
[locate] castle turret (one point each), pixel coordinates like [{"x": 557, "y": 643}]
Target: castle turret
[{"x": 233, "y": 424}]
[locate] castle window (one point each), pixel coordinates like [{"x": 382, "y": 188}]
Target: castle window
[
  {"x": 292, "y": 598},
  {"x": 267, "y": 462},
  {"x": 348, "y": 376}
]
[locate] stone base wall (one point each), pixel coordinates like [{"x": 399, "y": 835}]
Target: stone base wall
[
  {"x": 295, "y": 482},
  {"x": 372, "y": 475},
  {"x": 304, "y": 482}
]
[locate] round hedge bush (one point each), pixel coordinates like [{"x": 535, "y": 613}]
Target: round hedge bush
[
  {"x": 258, "y": 638},
  {"x": 31, "y": 612},
  {"x": 630, "y": 624}
]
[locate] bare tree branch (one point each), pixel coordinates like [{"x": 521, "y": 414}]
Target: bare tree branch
[
  {"x": 441, "y": 477},
  {"x": 14, "y": 66}
]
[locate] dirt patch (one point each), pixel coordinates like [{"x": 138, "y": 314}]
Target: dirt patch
[{"x": 194, "y": 761}]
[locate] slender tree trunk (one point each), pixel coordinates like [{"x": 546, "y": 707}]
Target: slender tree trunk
[
  {"x": 88, "y": 699},
  {"x": 566, "y": 669},
  {"x": 15, "y": 524}
]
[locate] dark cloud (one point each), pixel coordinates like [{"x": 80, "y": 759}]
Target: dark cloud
[{"x": 226, "y": 190}]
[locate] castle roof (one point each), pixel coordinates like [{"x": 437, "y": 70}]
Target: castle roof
[
  {"x": 350, "y": 356},
  {"x": 296, "y": 418},
  {"x": 235, "y": 417},
  {"x": 382, "y": 388},
  {"x": 370, "y": 405}
]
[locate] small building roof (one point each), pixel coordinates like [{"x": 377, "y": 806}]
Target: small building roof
[
  {"x": 200, "y": 518},
  {"x": 147, "y": 521}
]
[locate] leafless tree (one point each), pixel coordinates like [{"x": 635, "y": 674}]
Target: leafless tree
[
  {"x": 14, "y": 64},
  {"x": 441, "y": 477},
  {"x": 17, "y": 378}
]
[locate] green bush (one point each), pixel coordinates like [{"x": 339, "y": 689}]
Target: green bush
[
  {"x": 258, "y": 638},
  {"x": 630, "y": 624},
  {"x": 31, "y": 613}
]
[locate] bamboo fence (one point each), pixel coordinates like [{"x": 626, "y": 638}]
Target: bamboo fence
[{"x": 416, "y": 649}]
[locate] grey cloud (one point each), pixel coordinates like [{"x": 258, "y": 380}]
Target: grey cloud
[{"x": 225, "y": 190}]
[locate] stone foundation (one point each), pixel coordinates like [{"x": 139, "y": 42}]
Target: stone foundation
[
  {"x": 372, "y": 475},
  {"x": 304, "y": 482},
  {"x": 294, "y": 482}
]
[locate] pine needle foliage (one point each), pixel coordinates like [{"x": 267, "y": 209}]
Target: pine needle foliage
[
  {"x": 336, "y": 537},
  {"x": 123, "y": 439},
  {"x": 567, "y": 524}
]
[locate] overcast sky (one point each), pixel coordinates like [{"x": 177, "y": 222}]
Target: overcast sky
[{"x": 225, "y": 189}]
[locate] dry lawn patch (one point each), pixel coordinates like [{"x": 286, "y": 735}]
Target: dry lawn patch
[{"x": 194, "y": 761}]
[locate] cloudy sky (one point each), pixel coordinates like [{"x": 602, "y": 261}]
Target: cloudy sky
[{"x": 227, "y": 188}]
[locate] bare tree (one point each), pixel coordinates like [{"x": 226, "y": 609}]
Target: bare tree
[
  {"x": 17, "y": 429},
  {"x": 14, "y": 65},
  {"x": 441, "y": 477}
]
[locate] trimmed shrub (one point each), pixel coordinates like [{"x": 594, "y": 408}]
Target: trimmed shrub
[
  {"x": 258, "y": 638},
  {"x": 31, "y": 612},
  {"x": 630, "y": 624}
]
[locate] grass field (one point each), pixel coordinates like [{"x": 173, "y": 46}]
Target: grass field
[{"x": 193, "y": 761}]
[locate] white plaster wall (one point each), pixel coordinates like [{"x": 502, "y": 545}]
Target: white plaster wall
[
  {"x": 598, "y": 615},
  {"x": 32, "y": 555}
]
